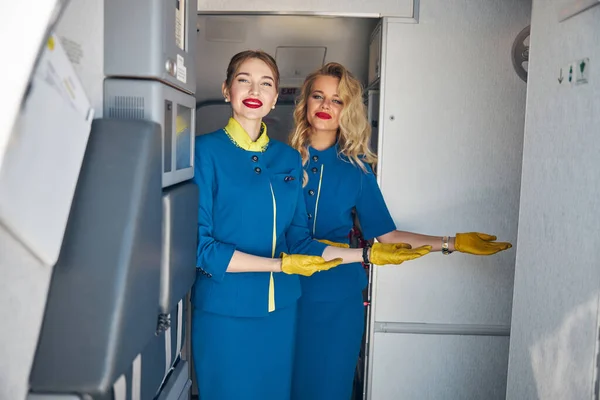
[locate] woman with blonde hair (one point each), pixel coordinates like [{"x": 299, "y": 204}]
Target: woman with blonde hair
[{"x": 332, "y": 134}]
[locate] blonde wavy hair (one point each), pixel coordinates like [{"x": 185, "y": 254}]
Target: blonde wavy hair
[{"x": 354, "y": 132}]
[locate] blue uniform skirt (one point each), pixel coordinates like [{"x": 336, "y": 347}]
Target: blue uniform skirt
[
  {"x": 328, "y": 343},
  {"x": 244, "y": 358}
]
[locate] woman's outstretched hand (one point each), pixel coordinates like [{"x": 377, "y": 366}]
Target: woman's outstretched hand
[
  {"x": 388, "y": 253},
  {"x": 395, "y": 253},
  {"x": 306, "y": 265},
  {"x": 480, "y": 244}
]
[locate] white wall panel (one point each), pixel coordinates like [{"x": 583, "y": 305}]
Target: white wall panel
[
  {"x": 23, "y": 291},
  {"x": 453, "y": 115},
  {"x": 452, "y": 119},
  {"x": 438, "y": 367},
  {"x": 557, "y": 279}
]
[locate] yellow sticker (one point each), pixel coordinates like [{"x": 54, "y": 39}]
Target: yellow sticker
[
  {"x": 180, "y": 124},
  {"x": 51, "y": 43}
]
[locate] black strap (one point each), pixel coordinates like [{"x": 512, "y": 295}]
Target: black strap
[{"x": 366, "y": 253}]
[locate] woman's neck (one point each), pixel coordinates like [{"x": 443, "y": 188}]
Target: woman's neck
[
  {"x": 322, "y": 140},
  {"x": 251, "y": 126}
]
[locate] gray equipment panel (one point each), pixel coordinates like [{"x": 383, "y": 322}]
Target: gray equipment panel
[
  {"x": 178, "y": 330},
  {"x": 140, "y": 41},
  {"x": 153, "y": 366},
  {"x": 178, "y": 385},
  {"x": 180, "y": 216},
  {"x": 161, "y": 355},
  {"x": 156, "y": 365},
  {"x": 160, "y": 103},
  {"x": 103, "y": 298}
]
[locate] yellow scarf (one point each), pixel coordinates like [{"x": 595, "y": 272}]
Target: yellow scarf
[{"x": 241, "y": 139}]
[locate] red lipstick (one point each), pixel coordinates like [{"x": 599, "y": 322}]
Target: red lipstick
[
  {"x": 323, "y": 115},
  {"x": 252, "y": 103}
]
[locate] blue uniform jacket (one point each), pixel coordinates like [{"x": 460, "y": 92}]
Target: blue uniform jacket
[
  {"x": 335, "y": 186},
  {"x": 250, "y": 201}
]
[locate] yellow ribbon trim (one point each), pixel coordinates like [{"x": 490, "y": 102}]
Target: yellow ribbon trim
[
  {"x": 318, "y": 197},
  {"x": 241, "y": 139},
  {"x": 271, "y": 280}
]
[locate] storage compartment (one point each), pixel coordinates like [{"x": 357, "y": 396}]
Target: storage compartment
[
  {"x": 160, "y": 103},
  {"x": 375, "y": 56},
  {"x": 371, "y": 8},
  {"x": 151, "y": 39}
]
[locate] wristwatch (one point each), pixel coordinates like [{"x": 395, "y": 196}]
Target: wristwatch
[{"x": 445, "y": 248}]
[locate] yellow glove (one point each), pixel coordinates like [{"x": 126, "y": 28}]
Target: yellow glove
[
  {"x": 480, "y": 244},
  {"x": 395, "y": 253},
  {"x": 334, "y": 244},
  {"x": 306, "y": 265}
]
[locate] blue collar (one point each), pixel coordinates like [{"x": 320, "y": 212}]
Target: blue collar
[{"x": 329, "y": 154}]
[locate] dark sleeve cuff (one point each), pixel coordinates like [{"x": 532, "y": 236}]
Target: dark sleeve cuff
[{"x": 213, "y": 261}]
